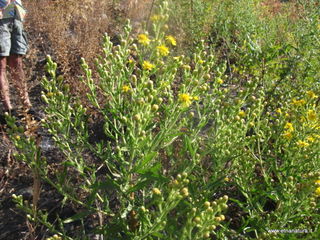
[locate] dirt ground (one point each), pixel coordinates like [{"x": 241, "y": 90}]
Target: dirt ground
[{"x": 16, "y": 178}]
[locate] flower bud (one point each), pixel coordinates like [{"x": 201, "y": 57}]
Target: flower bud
[
  {"x": 212, "y": 227},
  {"x": 184, "y": 192},
  {"x": 155, "y": 107},
  {"x": 206, "y": 234},
  {"x": 224, "y": 206},
  {"x": 210, "y": 209},
  {"x": 134, "y": 79},
  {"x": 44, "y": 98},
  {"x": 207, "y": 204},
  {"x": 137, "y": 117},
  {"x": 197, "y": 219},
  {"x": 156, "y": 191},
  {"x": 186, "y": 181}
]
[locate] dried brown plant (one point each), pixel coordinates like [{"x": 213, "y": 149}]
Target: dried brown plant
[{"x": 69, "y": 30}]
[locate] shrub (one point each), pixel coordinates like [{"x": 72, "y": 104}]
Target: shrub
[{"x": 193, "y": 146}]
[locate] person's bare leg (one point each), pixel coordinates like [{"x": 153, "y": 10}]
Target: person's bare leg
[
  {"x": 4, "y": 85},
  {"x": 18, "y": 77}
]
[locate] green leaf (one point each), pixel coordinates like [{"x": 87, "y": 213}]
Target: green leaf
[
  {"x": 147, "y": 159},
  {"x": 159, "y": 235},
  {"x": 152, "y": 171},
  {"x": 69, "y": 164},
  {"x": 139, "y": 186},
  {"x": 77, "y": 216},
  {"x": 148, "y": 177},
  {"x": 108, "y": 184}
]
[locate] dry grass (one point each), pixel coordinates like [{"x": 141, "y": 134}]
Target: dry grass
[
  {"x": 272, "y": 8},
  {"x": 69, "y": 30}
]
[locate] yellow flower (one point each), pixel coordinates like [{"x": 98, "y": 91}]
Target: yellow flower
[
  {"x": 155, "y": 18},
  {"x": 317, "y": 182},
  {"x": 298, "y": 102},
  {"x": 219, "y": 81},
  {"x": 310, "y": 139},
  {"x": 156, "y": 191},
  {"x": 163, "y": 50},
  {"x": 317, "y": 192},
  {"x": 146, "y": 65},
  {"x": 170, "y": 39},
  {"x": 143, "y": 39},
  {"x": 287, "y": 135},
  {"x": 311, "y": 115},
  {"x": 242, "y": 114},
  {"x": 302, "y": 144},
  {"x": 226, "y": 179},
  {"x": 196, "y": 98},
  {"x": 185, "y": 99},
  {"x": 125, "y": 88},
  {"x": 278, "y": 110},
  {"x": 289, "y": 126},
  {"x": 311, "y": 94}
]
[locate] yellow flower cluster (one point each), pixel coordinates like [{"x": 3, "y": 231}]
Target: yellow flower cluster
[
  {"x": 287, "y": 135},
  {"x": 146, "y": 65},
  {"x": 219, "y": 81},
  {"x": 163, "y": 50},
  {"x": 298, "y": 103},
  {"x": 289, "y": 130},
  {"x": 289, "y": 126},
  {"x": 311, "y": 115},
  {"x": 156, "y": 191},
  {"x": 311, "y": 94},
  {"x": 125, "y": 88},
  {"x": 242, "y": 114},
  {"x": 156, "y": 18},
  {"x": 171, "y": 40},
  {"x": 302, "y": 144},
  {"x": 143, "y": 39},
  {"x": 310, "y": 139},
  {"x": 186, "y": 99}
]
